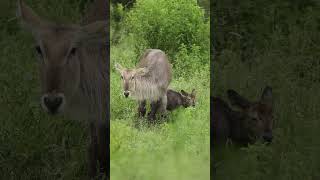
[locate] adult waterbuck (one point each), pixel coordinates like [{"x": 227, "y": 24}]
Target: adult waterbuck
[
  {"x": 148, "y": 81},
  {"x": 253, "y": 120},
  {"x": 74, "y": 73}
]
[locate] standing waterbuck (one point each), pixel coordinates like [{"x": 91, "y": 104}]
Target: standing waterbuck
[
  {"x": 253, "y": 121},
  {"x": 74, "y": 73},
  {"x": 148, "y": 81}
]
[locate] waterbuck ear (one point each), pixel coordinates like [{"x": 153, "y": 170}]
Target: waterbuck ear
[
  {"x": 141, "y": 71},
  {"x": 237, "y": 100},
  {"x": 29, "y": 18},
  {"x": 266, "y": 96},
  {"x": 118, "y": 67},
  {"x": 184, "y": 93},
  {"x": 95, "y": 27},
  {"x": 94, "y": 32},
  {"x": 193, "y": 93}
]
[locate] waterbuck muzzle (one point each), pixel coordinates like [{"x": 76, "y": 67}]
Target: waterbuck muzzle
[{"x": 53, "y": 102}]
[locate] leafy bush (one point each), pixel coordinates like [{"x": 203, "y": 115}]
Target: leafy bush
[
  {"x": 167, "y": 24},
  {"x": 125, "y": 3},
  {"x": 187, "y": 62},
  {"x": 117, "y": 14}
]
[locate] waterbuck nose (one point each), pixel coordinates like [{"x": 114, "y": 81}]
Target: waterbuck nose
[
  {"x": 126, "y": 93},
  {"x": 53, "y": 102},
  {"x": 267, "y": 136}
]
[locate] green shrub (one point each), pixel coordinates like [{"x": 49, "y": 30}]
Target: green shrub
[
  {"x": 166, "y": 24},
  {"x": 187, "y": 62},
  {"x": 125, "y": 3}
]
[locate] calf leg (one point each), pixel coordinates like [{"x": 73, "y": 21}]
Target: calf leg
[{"x": 142, "y": 108}]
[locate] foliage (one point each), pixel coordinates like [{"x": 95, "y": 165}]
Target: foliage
[
  {"x": 190, "y": 61},
  {"x": 125, "y": 3},
  {"x": 167, "y": 24}
]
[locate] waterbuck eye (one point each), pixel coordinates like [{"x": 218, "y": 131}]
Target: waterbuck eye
[
  {"x": 121, "y": 77},
  {"x": 38, "y": 49},
  {"x": 132, "y": 77}
]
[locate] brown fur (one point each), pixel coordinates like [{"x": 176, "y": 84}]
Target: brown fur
[
  {"x": 74, "y": 73},
  {"x": 178, "y": 99},
  {"x": 253, "y": 120}
]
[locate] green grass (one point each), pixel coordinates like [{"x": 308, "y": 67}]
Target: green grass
[{"x": 175, "y": 149}]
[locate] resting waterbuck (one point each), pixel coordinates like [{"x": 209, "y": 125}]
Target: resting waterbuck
[
  {"x": 176, "y": 99},
  {"x": 74, "y": 73},
  {"x": 253, "y": 120},
  {"x": 148, "y": 81}
]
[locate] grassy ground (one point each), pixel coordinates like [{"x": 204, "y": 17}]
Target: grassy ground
[
  {"x": 32, "y": 144},
  {"x": 177, "y": 149}
]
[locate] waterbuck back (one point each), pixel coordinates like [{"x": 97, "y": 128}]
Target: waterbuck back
[{"x": 155, "y": 81}]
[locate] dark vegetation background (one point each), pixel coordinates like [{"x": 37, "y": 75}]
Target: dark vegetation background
[
  {"x": 177, "y": 148},
  {"x": 32, "y": 144},
  {"x": 276, "y": 43}
]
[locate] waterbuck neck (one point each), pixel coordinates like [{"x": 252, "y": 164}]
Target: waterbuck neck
[{"x": 146, "y": 89}]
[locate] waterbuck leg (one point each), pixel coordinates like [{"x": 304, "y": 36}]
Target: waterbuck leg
[
  {"x": 142, "y": 108},
  {"x": 154, "y": 108},
  {"x": 93, "y": 152},
  {"x": 103, "y": 150},
  {"x": 163, "y": 106}
]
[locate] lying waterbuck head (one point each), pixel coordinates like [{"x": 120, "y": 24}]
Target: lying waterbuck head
[
  {"x": 188, "y": 99},
  {"x": 257, "y": 116},
  {"x": 176, "y": 99},
  {"x": 59, "y": 52},
  {"x": 129, "y": 77}
]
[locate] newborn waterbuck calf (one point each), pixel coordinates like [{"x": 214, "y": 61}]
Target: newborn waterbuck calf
[
  {"x": 74, "y": 73},
  {"x": 148, "y": 81},
  {"x": 176, "y": 99},
  {"x": 253, "y": 121}
]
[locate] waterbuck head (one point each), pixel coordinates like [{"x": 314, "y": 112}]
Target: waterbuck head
[
  {"x": 188, "y": 99},
  {"x": 258, "y": 116},
  {"x": 129, "y": 77},
  {"x": 59, "y": 52}
]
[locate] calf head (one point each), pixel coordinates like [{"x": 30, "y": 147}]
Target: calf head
[
  {"x": 258, "y": 116},
  {"x": 188, "y": 99}
]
